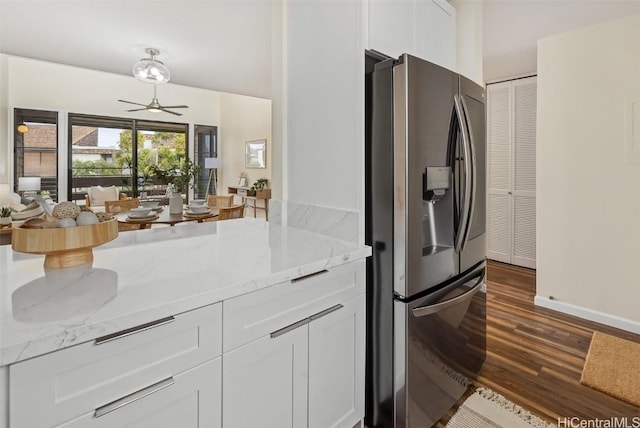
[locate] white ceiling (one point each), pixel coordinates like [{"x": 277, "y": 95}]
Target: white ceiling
[
  {"x": 225, "y": 45},
  {"x": 512, "y": 27}
]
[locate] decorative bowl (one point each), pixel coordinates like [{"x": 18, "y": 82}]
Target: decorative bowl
[
  {"x": 150, "y": 204},
  {"x": 197, "y": 209},
  {"x": 64, "y": 247},
  {"x": 197, "y": 202},
  {"x": 140, "y": 212}
]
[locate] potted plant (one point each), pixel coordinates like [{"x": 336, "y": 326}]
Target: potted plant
[
  {"x": 180, "y": 178},
  {"x": 258, "y": 189},
  {"x": 5, "y": 216}
]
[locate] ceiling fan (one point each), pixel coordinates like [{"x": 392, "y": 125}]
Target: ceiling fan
[{"x": 154, "y": 106}]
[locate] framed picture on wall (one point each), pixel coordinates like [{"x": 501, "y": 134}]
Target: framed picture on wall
[{"x": 255, "y": 155}]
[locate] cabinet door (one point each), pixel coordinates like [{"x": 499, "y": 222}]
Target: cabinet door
[
  {"x": 499, "y": 217},
  {"x": 511, "y": 138},
  {"x": 193, "y": 400},
  {"x": 265, "y": 382},
  {"x": 336, "y": 366},
  {"x": 435, "y": 27},
  {"x": 524, "y": 175},
  {"x": 391, "y": 27}
]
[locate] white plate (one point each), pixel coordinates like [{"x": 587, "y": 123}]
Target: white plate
[
  {"x": 198, "y": 213},
  {"x": 139, "y": 217}
]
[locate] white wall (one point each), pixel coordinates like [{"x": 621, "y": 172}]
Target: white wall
[
  {"x": 242, "y": 119},
  {"x": 588, "y": 216}
]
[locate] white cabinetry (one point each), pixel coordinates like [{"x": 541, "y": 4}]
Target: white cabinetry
[
  {"x": 511, "y": 140},
  {"x": 127, "y": 379},
  {"x": 265, "y": 383},
  {"x": 336, "y": 366},
  {"x": 424, "y": 28},
  {"x": 307, "y": 371}
]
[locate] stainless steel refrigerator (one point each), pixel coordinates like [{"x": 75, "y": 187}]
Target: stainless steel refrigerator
[{"x": 425, "y": 220}]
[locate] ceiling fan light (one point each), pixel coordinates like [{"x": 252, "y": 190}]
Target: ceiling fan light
[
  {"x": 154, "y": 110},
  {"x": 150, "y": 70}
]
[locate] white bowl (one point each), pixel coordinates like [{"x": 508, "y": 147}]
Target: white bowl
[
  {"x": 149, "y": 204},
  {"x": 198, "y": 208},
  {"x": 140, "y": 212},
  {"x": 197, "y": 202}
]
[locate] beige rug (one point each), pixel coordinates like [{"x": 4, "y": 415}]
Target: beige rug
[
  {"x": 488, "y": 409},
  {"x": 613, "y": 367}
]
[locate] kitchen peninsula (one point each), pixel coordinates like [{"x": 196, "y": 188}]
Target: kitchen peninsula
[{"x": 187, "y": 325}]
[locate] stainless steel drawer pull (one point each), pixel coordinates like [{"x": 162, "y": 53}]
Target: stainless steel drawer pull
[
  {"x": 121, "y": 402},
  {"x": 290, "y": 327},
  {"x": 302, "y": 278},
  {"x": 326, "y": 312},
  {"x": 133, "y": 330}
]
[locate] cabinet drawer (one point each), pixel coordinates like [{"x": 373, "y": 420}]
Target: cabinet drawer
[
  {"x": 242, "y": 192},
  {"x": 190, "y": 399},
  {"x": 251, "y": 316},
  {"x": 73, "y": 381}
]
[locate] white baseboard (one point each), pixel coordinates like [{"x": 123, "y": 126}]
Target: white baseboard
[{"x": 588, "y": 314}]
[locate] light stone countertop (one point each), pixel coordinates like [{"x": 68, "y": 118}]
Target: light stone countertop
[{"x": 146, "y": 275}]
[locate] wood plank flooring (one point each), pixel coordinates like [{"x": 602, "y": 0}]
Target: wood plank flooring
[{"x": 535, "y": 355}]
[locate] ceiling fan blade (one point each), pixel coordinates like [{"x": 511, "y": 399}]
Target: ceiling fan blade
[
  {"x": 175, "y": 106},
  {"x": 131, "y": 102},
  {"x": 138, "y": 109},
  {"x": 169, "y": 111}
]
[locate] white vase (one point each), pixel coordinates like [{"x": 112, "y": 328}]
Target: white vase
[
  {"x": 175, "y": 203},
  {"x": 4, "y": 221}
]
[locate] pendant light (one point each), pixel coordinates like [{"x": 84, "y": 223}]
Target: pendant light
[{"x": 150, "y": 70}]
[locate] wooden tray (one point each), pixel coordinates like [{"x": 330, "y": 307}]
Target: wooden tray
[{"x": 64, "y": 247}]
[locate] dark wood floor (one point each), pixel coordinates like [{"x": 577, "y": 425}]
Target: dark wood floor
[{"x": 535, "y": 355}]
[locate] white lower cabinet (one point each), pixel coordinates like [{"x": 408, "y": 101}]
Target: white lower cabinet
[
  {"x": 307, "y": 374},
  {"x": 336, "y": 366},
  {"x": 265, "y": 383}
]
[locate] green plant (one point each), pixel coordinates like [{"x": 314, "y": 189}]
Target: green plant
[
  {"x": 260, "y": 184},
  {"x": 5, "y": 212},
  {"x": 179, "y": 177}
]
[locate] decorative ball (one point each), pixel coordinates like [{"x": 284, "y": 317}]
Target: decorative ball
[
  {"x": 103, "y": 216},
  {"x": 66, "y": 222},
  {"x": 85, "y": 218},
  {"x": 66, "y": 210}
]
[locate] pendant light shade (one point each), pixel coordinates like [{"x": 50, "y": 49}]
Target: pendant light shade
[{"x": 150, "y": 70}]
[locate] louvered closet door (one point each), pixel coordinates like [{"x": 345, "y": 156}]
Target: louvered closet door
[
  {"x": 511, "y": 140},
  {"x": 499, "y": 215},
  {"x": 524, "y": 164}
]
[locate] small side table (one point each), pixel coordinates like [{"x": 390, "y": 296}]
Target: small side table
[{"x": 264, "y": 195}]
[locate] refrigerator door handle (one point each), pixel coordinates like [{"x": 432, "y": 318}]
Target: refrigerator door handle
[
  {"x": 422, "y": 311},
  {"x": 472, "y": 155},
  {"x": 462, "y": 227}
]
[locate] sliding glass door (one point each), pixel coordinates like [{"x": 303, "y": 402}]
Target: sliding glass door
[{"x": 121, "y": 152}]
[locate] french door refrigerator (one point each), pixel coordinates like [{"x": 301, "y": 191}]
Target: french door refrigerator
[{"x": 425, "y": 220}]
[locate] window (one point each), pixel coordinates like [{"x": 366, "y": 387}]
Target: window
[
  {"x": 120, "y": 152},
  {"x": 35, "y": 148}
]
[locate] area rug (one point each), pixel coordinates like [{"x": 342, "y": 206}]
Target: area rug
[
  {"x": 613, "y": 367},
  {"x": 488, "y": 409}
]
